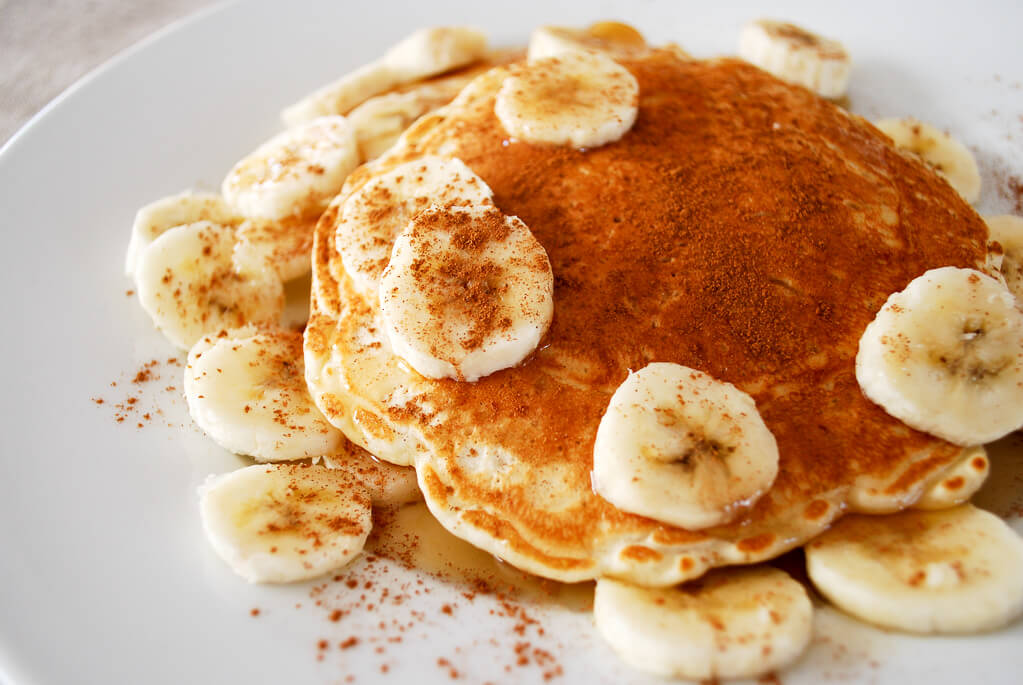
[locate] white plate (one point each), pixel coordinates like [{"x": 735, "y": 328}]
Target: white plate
[{"x": 104, "y": 573}]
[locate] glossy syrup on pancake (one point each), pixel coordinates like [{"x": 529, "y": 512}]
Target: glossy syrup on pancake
[{"x": 743, "y": 227}]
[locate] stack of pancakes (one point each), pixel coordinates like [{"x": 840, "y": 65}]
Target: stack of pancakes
[{"x": 743, "y": 227}]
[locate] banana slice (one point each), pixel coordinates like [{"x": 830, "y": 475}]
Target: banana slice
[
  {"x": 286, "y": 245},
  {"x": 468, "y": 291},
  {"x": 190, "y": 284},
  {"x": 246, "y": 389},
  {"x": 678, "y": 446},
  {"x": 1007, "y": 231},
  {"x": 940, "y": 151},
  {"x": 295, "y": 173},
  {"x": 380, "y": 210},
  {"x": 959, "y": 483},
  {"x": 732, "y": 623},
  {"x": 177, "y": 210},
  {"x": 796, "y": 55},
  {"x": 945, "y": 356},
  {"x": 956, "y": 570},
  {"x": 425, "y": 53},
  {"x": 616, "y": 39},
  {"x": 284, "y": 523},
  {"x": 380, "y": 120},
  {"x": 580, "y": 98},
  {"x": 388, "y": 485}
]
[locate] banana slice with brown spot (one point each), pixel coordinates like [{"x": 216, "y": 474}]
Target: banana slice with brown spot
[
  {"x": 679, "y": 446},
  {"x": 945, "y": 356}
]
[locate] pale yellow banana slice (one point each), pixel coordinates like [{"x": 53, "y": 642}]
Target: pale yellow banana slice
[
  {"x": 424, "y": 53},
  {"x": 732, "y": 623},
  {"x": 614, "y": 38},
  {"x": 957, "y": 570},
  {"x": 679, "y": 446},
  {"x": 190, "y": 284},
  {"x": 177, "y": 210},
  {"x": 580, "y": 98},
  {"x": 945, "y": 356},
  {"x": 958, "y": 484},
  {"x": 387, "y": 484},
  {"x": 1007, "y": 231},
  {"x": 295, "y": 173},
  {"x": 380, "y": 210},
  {"x": 286, "y": 245},
  {"x": 380, "y": 120},
  {"x": 283, "y": 523},
  {"x": 940, "y": 151},
  {"x": 468, "y": 291},
  {"x": 796, "y": 55},
  {"x": 246, "y": 389}
]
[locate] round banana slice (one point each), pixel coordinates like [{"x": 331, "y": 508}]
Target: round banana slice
[
  {"x": 940, "y": 151},
  {"x": 958, "y": 484},
  {"x": 246, "y": 389},
  {"x": 796, "y": 55},
  {"x": 190, "y": 284},
  {"x": 732, "y": 623},
  {"x": 434, "y": 50},
  {"x": 468, "y": 291},
  {"x": 614, "y": 38},
  {"x": 1007, "y": 231},
  {"x": 295, "y": 173},
  {"x": 286, "y": 245},
  {"x": 374, "y": 215},
  {"x": 387, "y": 484},
  {"x": 956, "y": 570},
  {"x": 177, "y": 210},
  {"x": 284, "y": 523},
  {"x": 424, "y": 53},
  {"x": 945, "y": 356},
  {"x": 580, "y": 98},
  {"x": 679, "y": 446}
]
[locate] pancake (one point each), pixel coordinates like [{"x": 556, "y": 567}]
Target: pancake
[{"x": 743, "y": 227}]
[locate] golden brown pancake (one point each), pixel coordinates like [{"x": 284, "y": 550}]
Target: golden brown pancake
[{"x": 743, "y": 227}]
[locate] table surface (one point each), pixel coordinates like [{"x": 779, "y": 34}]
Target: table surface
[{"x": 49, "y": 45}]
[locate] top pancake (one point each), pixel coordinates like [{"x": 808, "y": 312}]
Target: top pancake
[{"x": 743, "y": 227}]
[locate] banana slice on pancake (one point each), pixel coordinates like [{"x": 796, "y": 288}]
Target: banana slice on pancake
[
  {"x": 957, "y": 570},
  {"x": 945, "y": 356},
  {"x": 612, "y": 37},
  {"x": 959, "y": 483},
  {"x": 940, "y": 151},
  {"x": 580, "y": 98},
  {"x": 295, "y": 173},
  {"x": 679, "y": 446},
  {"x": 177, "y": 210},
  {"x": 285, "y": 245},
  {"x": 796, "y": 55},
  {"x": 388, "y": 485},
  {"x": 190, "y": 284},
  {"x": 424, "y": 53},
  {"x": 279, "y": 523},
  {"x": 376, "y": 213},
  {"x": 468, "y": 291},
  {"x": 1007, "y": 231},
  {"x": 732, "y": 623},
  {"x": 246, "y": 389}
]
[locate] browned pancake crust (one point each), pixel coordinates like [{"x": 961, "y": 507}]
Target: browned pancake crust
[{"x": 743, "y": 227}]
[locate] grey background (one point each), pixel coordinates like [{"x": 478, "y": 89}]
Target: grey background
[{"x": 46, "y": 45}]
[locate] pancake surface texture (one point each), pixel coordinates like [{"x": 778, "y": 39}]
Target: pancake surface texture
[{"x": 742, "y": 227}]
